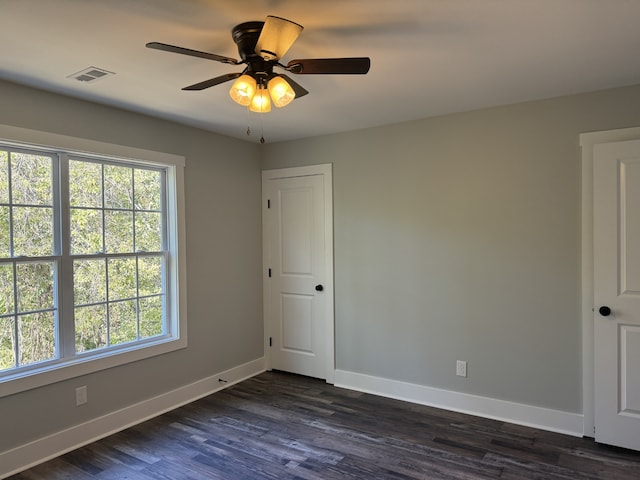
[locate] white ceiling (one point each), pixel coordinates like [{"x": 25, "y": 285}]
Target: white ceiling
[{"x": 428, "y": 57}]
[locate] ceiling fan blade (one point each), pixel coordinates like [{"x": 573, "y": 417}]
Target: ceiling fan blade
[
  {"x": 276, "y": 37},
  {"x": 353, "y": 66},
  {"x": 213, "y": 81},
  {"x": 193, "y": 53},
  {"x": 297, "y": 88}
]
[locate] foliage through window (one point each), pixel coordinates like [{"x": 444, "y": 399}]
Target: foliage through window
[{"x": 83, "y": 257}]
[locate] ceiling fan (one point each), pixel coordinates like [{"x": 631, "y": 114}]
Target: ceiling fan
[{"x": 261, "y": 46}]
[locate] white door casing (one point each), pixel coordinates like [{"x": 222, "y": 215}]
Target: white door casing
[
  {"x": 616, "y": 261},
  {"x": 298, "y": 265}
]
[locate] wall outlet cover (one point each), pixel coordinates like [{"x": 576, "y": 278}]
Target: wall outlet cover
[{"x": 461, "y": 368}]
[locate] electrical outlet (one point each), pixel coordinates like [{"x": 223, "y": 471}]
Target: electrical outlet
[
  {"x": 461, "y": 368},
  {"x": 81, "y": 395}
]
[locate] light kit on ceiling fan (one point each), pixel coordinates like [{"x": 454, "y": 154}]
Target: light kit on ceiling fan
[
  {"x": 261, "y": 46},
  {"x": 246, "y": 88}
]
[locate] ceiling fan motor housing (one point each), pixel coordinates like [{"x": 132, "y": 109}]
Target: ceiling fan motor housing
[{"x": 246, "y": 37}]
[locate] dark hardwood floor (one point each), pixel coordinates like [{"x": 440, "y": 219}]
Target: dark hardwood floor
[{"x": 282, "y": 426}]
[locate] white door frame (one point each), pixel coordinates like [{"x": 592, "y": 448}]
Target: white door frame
[
  {"x": 328, "y": 322},
  {"x": 587, "y": 141}
]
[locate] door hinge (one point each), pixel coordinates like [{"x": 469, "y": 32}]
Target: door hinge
[
  {"x": 269, "y": 273},
  {"x": 270, "y": 341}
]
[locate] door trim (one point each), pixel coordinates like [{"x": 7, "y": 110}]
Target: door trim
[
  {"x": 329, "y": 321},
  {"x": 587, "y": 141}
]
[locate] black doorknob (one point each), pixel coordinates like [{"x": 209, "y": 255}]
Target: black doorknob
[
  {"x": 604, "y": 311},
  {"x": 319, "y": 288}
]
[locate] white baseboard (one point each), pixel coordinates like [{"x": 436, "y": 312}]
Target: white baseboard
[
  {"x": 51, "y": 446},
  {"x": 518, "y": 413}
]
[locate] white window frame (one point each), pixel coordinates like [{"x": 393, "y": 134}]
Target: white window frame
[{"x": 176, "y": 277}]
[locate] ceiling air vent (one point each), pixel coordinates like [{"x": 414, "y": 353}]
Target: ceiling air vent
[{"x": 90, "y": 74}]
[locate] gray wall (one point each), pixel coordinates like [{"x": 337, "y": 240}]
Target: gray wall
[
  {"x": 224, "y": 298},
  {"x": 458, "y": 237}
]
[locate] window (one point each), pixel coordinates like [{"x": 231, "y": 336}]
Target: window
[
  {"x": 27, "y": 262},
  {"x": 88, "y": 261},
  {"x": 116, "y": 242}
]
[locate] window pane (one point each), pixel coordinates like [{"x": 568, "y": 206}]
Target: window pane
[
  {"x": 118, "y": 231},
  {"x": 5, "y": 247},
  {"x": 31, "y": 179},
  {"x": 6, "y": 289},
  {"x": 123, "y": 324},
  {"x": 35, "y": 286},
  {"x": 149, "y": 275},
  {"x": 85, "y": 184},
  {"x": 122, "y": 278},
  {"x": 118, "y": 188},
  {"x": 32, "y": 231},
  {"x": 36, "y": 338},
  {"x": 150, "y": 316},
  {"x": 86, "y": 231},
  {"x": 4, "y": 177},
  {"x": 148, "y": 189},
  {"x": 148, "y": 232},
  {"x": 89, "y": 281},
  {"x": 7, "y": 343},
  {"x": 91, "y": 327}
]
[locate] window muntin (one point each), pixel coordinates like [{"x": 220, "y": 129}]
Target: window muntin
[{"x": 116, "y": 249}]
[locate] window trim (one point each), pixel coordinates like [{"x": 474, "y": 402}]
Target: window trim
[{"x": 176, "y": 243}]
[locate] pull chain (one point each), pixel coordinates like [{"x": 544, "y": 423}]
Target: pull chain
[{"x": 262, "y": 140}]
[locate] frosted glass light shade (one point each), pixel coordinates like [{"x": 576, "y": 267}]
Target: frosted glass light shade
[
  {"x": 260, "y": 102},
  {"x": 276, "y": 37},
  {"x": 281, "y": 92},
  {"x": 243, "y": 90}
]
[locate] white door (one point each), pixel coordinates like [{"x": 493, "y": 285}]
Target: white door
[
  {"x": 616, "y": 204},
  {"x": 298, "y": 255}
]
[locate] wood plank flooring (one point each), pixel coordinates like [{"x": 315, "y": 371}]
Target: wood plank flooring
[{"x": 282, "y": 426}]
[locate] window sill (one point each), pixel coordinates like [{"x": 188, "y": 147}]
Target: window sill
[{"x": 22, "y": 381}]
